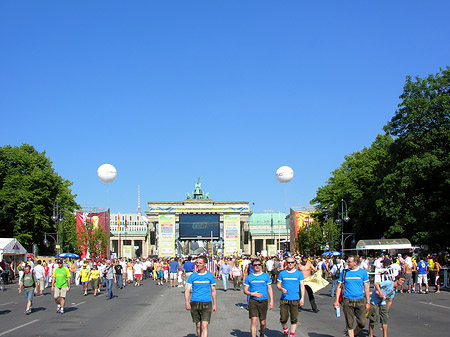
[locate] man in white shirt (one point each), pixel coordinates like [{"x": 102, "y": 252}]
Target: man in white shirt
[{"x": 39, "y": 273}]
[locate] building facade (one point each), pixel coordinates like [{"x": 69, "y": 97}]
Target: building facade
[{"x": 269, "y": 232}]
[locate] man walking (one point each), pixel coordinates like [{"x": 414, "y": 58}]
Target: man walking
[
  {"x": 289, "y": 282},
  {"x": 39, "y": 273},
  {"x": 118, "y": 271},
  {"x": 336, "y": 271},
  {"x": 60, "y": 285},
  {"x": 356, "y": 296},
  {"x": 225, "y": 273},
  {"x": 110, "y": 277},
  {"x": 29, "y": 284},
  {"x": 259, "y": 287},
  {"x": 306, "y": 268},
  {"x": 203, "y": 301}
]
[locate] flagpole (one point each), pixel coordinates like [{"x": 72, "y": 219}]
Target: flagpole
[{"x": 119, "y": 253}]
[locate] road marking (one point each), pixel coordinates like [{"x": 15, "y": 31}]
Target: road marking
[
  {"x": 80, "y": 303},
  {"x": 18, "y": 327},
  {"x": 435, "y": 305},
  {"x": 8, "y": 303}
]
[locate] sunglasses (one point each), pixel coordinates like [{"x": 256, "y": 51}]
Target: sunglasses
[
  {"x": 257, "y": 264},
  {"x": 289, "y": 262}
]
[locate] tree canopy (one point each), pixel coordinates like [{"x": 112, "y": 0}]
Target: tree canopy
[
  {"x": 29, "y": 187},
  {"x": 398, "y": 187}
]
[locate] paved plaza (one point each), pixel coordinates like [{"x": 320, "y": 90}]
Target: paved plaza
[{"x": 152, "y": 310}]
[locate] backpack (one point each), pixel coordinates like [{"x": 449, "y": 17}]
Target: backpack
[
  {"x": 338, "y": 272},
  {"x": 27, "y": 282}
]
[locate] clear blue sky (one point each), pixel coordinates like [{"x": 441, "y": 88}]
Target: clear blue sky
[{"x": 168, "y": 91}]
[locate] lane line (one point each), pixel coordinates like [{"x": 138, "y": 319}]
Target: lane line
[
  {"x": 80, "y": 303},
  {"x": 18, "y": 327},
  {"x": 8, "y": 303},
  {"x": 435, "y": 305}
]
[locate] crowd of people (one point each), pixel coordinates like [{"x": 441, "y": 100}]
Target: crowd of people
[{"x": 294, "y": 275}]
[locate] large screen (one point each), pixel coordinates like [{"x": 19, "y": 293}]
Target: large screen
[{"x": 199, "y": 225}]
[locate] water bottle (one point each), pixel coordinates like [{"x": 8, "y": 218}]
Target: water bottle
[{"x": 338, "y": 311}]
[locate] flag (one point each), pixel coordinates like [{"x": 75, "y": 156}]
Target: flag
[{"x": 118, "y": 222}]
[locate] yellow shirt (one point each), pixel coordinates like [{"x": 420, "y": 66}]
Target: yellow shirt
[
  {"x": 85, "y": 274},
  {"x": 95, "y": 274}
]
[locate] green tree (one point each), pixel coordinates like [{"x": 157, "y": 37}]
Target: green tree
[
  {"x": 92, "y": 239},
  {"x": 415, "y": 193},
  {"x": 28, "y": 188},
  {"x": 310, "y": 239}
]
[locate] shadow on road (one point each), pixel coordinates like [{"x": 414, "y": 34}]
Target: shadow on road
[
  {"x": 4, "y": 312},
  {"x": 70, "y": 309},
  {"x": 39, "y": 309}
]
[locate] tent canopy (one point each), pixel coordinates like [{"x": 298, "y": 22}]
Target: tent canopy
[
  {"x": 10, "y": 246},
  {"x": 381, "y": 244}
]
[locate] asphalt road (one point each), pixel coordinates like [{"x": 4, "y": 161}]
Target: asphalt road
[{"x": 152, "y": 310}]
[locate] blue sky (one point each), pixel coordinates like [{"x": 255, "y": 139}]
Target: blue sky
[{"x": 168, "y": 91}]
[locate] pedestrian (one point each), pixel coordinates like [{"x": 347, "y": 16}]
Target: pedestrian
[
  {"x": 118, "y": 269},
  {"x": 422, "y": 275},
  {"x": 174, "y": 268},
  {"x": 110, "y": 277},
  {"x": 60, "y": 285},
  {"x": 259, "y": 287},
  {"x": 188, "y": 268},
  {"x": 307, "y": 268},
  {"x": 84, "y": 278},
  {"x": 336, "y": 271},
  {"x": 236, "y": 274},
  {"x": 225, "y": 273},
  {"x": 381, "y": 301},
  {"x": 290, "y": 283},
  {"x": 94, "y": 278},
  {"x": 437, "y": 275},
  {"x": 29, "y": 284},
  {"x": 39, "y": 273},
  {"x": 203, "y": 301},
  {"x": 356, "y": 299},
  {"x": 138, "y": 271}
]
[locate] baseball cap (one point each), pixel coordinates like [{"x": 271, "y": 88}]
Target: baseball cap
[{"x": 60, "y": 261}]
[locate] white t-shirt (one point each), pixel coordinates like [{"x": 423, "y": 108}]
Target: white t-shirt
[
  {"x": 269, "y": 265},
  {"x": 396, "y": 268},
  {"x": 39, "y": 271},
  {"x": 137, "y": 268}
]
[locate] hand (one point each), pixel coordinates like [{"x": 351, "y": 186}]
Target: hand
[
  {"x": 188, "y": 306},
  {"x": 335, "y": 304},
  {"x": 257, "y": 294},
  {"x": 270, "y": 305},
  {"x": 214, "y": 309},
  {"x": 53, "y": 288},
  {"x": 68, "y": 288},
  {"x": 284, "y": 291},
  {"x": 20, "y": 290},
  {"x": 301, "y": 303},
  {"x": 367, "y": 306}
]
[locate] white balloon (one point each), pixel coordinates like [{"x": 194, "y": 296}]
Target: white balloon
[
  {"x": 285, "y": 174},
  {"x": 106, "y": 173}
]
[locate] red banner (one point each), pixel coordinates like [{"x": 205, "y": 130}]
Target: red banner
[{"x": 96, "y": 219}]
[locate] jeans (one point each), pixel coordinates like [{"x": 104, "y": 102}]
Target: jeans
[
  {"x": 109, "y": 284},
  {"x": 225, "y": 280},
  {"x": 119, "y": 281},
  {"x": 72, "y": 277},
  {"x": 333, "y": 287}
]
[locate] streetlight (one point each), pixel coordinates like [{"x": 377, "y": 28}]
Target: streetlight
[
  {"x": 58, "y": 218},
  {"x": 341, "y": 219}
]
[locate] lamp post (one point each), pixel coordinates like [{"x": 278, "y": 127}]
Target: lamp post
[
  {"x": 46, "y": 244},
  {"x": 342, "y": 217},
  {"x": 58, "y": 218}
]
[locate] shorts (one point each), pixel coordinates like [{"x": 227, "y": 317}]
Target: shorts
[
  {"x": 173, "y": 276},
  {"x": 29, "y": 294},
  {"x": 408, "y": 280},
  {"x": 258, "y": 309},
  {"x": 160, "y": 274},
  {"x": 138, "y": 275},
  {"x": 354, "y": 308},
  {"x": 378, "y": 314},
  {"x": 60, "y": 292},
  {"x": 289, "y": 308},
  {"x": 422, "y": 278},
  {"x": 85, "y": 282},
  {"x": 94, "y": 283},
  {"x": 40, "y": 282},
  {"x": 166, "y": 274},
  {"x": 201, "y": 311}
]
